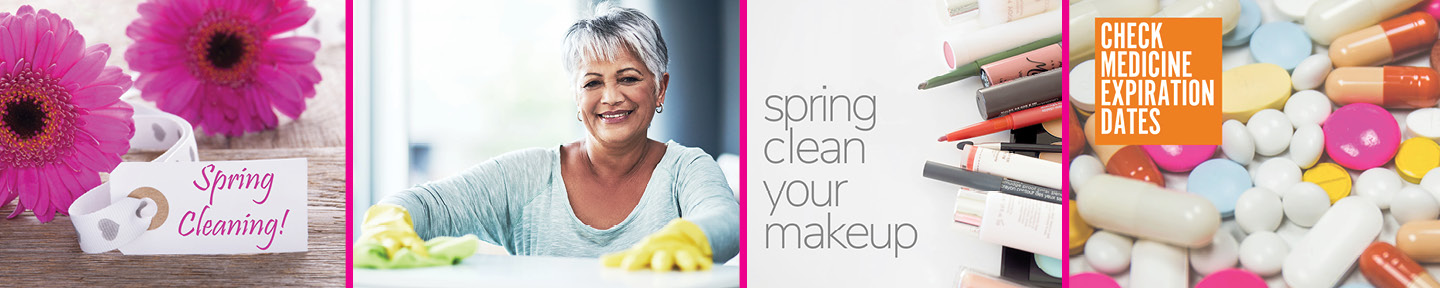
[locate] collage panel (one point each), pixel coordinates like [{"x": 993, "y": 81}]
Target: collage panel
[
  {"x": 547, "y": 144},
  {"x": 1311, "y": 174},
  {"x": 173, "y": 143}
]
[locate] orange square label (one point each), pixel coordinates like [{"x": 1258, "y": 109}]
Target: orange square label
[{"x": 1157, "y": 81}]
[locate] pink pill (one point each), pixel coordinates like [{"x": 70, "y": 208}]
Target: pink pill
[
  {"x": 1232, "y": 278},
  {"x": 1179, "y": 158},
  {"x": 1092, "y": 279},
  {"x": 1432, "y": 7},
  {"x": 1361, "y": 136}
]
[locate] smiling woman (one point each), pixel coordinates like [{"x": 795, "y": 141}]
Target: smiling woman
[{"x": 650, "y": 204}]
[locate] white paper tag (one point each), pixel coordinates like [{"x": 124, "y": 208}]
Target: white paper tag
[{"x": 219, "y": 207}]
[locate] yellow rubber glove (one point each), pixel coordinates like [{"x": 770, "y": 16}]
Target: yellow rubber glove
[
  {"x": 680, "y": 244},
  {"x": 389, "y": 241}
]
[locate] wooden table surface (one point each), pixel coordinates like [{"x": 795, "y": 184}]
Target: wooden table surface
[{"x": 48, "y": 254}]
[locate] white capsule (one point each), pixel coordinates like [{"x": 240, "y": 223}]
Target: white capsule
[
  {"x": 1146, "y": 211},
  {"x": 1333, "y": 245}
]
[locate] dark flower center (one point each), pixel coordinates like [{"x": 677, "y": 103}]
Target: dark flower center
[
  {"x": 25, "y": 118},
  {"x": 224, "y": 50},
  {"x": 37, "y": 121}
]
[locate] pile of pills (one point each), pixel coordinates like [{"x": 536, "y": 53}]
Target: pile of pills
[{"x": 1326, "y": 174}]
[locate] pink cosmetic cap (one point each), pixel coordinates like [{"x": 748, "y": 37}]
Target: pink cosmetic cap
[
  {"x": 1092, "y": 279},
  {"x": 1361, "y": 136},
  {"x": 1179, "y": 158},
  {"x": 1232, "y": 278}
]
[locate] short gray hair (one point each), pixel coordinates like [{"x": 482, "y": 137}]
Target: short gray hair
[{"x": 612, "y": 29}]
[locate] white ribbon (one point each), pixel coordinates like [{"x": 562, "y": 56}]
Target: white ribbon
[{"x": 107, "y": 220}]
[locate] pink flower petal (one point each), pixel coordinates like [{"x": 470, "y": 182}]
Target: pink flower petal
[
  {"x": 178, "y": 96},
  {"x": 7, "y": 45},
  {"x": 154, "y": 85},
  {"x": 96, "y": 96},
  {"x": 262, "y": 108},
  {"x": 60, "y": 196},
  {"x": 44, "y": 50},
  {"x": 285, "y": 92},
  {"x": 7, "y": 186},
  {"x": 297, "y": 50},
  {"x": 19, "y": 207},
  {"x": 108, "y": 129},
  {"x": 90, "y": 158},
  {"x": 29, "y": 187},
  {"x": 147, "y": 56},
  {"x": 112, "y": 75},
  {"x": 290, "y": 20},
  {"x": 27, "y": 36},
  {"x": 42, "y": 207},
  {"x": 69, "y": 53},
  {"x": 86, "y": 70}
]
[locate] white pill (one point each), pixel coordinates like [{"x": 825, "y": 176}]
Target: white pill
[
  {"x": 1431, "y": 183},
  {"x": 1330, "y": 248},
  {"x": 1380, "y": 184},
  {"x": 1271, "y": 130},
  {"x": 1414, "y": 204},
  {"x": 1222, "y": 253},
  {"x": 1306, "y": 145},
  {"x": 1311, "y": 72},
  {"x": 1277, "y": 174},
  {"x": 1295, "y": 10},
  {"x": 1155, "y": 264},
  {"x": 1305, "y": 203},
  {"x": 1108, "y": 252},
  {"x": 1137, "y": 208},
  {"x": 1307, "y": 107},
  {"x": 1084, "y": 167},
  {"x": 1082, "y": 86},
  {"x": 1263, "y": 252},
  {"x": 1259, "y": 209},
  {"x": 1236, "y": 142},
  {"x": 1424, "y": 123}
]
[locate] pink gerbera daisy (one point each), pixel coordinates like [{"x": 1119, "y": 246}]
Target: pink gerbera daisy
[
  {"x": 214, "y": 63},
  {"x": 61, "y": 118}
]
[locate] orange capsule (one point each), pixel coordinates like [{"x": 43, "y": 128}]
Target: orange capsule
[
  {"x": 1389, "y": 86},
  {"x": 1420, "y": 240},
  {"x": 1392, "y": 39},
  {"x": 1386, "y": 267},
  {"x": 1129, "y": 161}
]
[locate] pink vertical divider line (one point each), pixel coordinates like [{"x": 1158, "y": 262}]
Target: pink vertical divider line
[
  {"x": 743, "y": 162},
  {"x": 349, "y": 136},
  {"x": 1065, "y": 141}
]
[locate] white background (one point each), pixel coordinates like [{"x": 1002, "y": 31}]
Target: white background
[
  {"x": 1289, "y": 231},
  {"x": 857, "y": 48}
]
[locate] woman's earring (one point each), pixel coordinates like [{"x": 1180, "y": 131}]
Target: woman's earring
[
  {"x": 577, "y": 116},
  {"x": 660, "y": 108}
]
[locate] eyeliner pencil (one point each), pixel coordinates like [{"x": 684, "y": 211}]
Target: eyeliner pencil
[
  {"x": 987, "y": 182},
  {"x": 973, "y": 68}
]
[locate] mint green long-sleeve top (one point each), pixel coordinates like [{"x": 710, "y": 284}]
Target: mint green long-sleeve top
[{"x": 518, "y": 200}]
